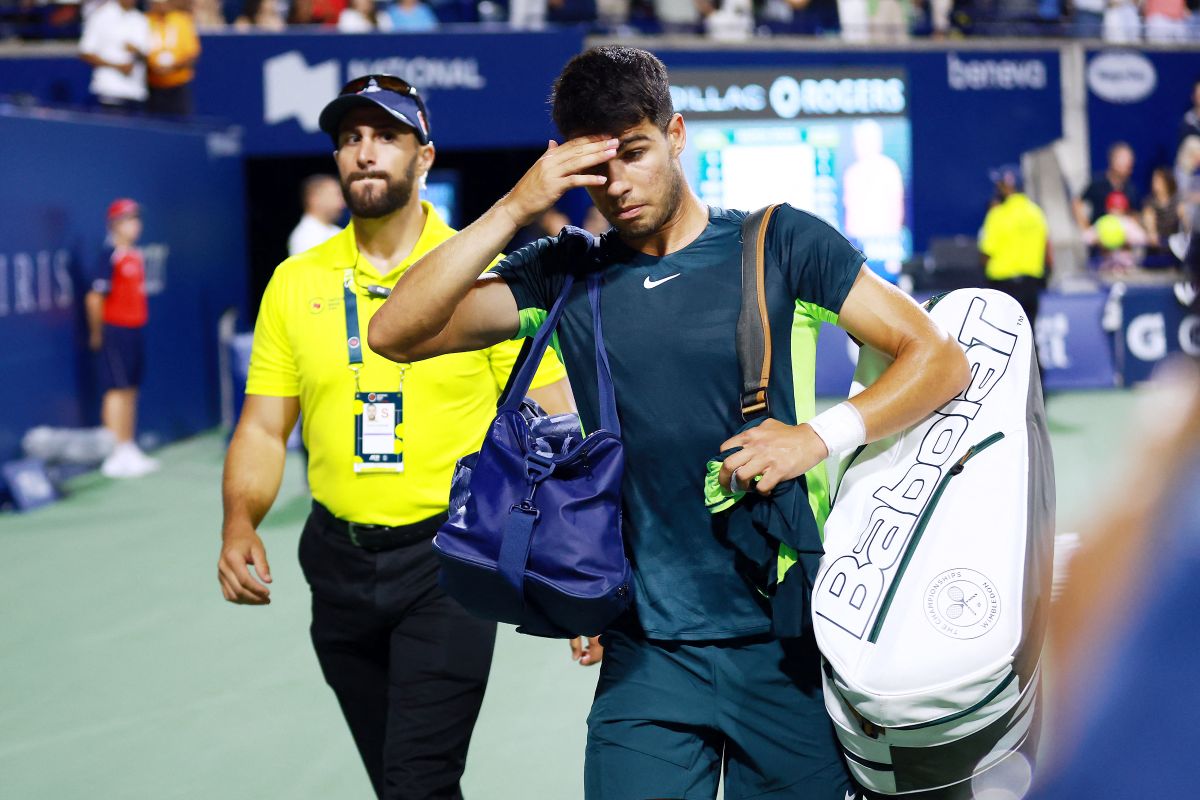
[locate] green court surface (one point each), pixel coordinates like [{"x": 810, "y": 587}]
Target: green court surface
[{"x": 126, "y": 675}]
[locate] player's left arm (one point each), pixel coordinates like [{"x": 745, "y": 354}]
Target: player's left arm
[
  {"x": 928, "y": 366},
  {"x": 928, "y": 369}
]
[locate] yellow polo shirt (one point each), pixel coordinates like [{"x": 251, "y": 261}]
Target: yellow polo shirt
[
  {"x": 1014, "y": 239},
  {"x": 300, "y": 351}
]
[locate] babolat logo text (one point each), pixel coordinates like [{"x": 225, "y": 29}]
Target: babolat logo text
[
  {"x": 994, "y": 73},
  {"x": 851, "y": 589}
]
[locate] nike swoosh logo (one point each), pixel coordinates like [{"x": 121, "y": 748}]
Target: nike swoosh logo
[{"x": 649, "y": 284}]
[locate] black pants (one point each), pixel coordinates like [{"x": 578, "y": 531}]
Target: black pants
[
  {"x": 173, "y": 102},
  {"x": 407, "y": 663},
  {"x": 1028, "y": 292}
]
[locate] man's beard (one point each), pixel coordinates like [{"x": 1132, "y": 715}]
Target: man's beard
[
  {"x": 639, "y": 228},
  {"x": 375, "y": 204}
]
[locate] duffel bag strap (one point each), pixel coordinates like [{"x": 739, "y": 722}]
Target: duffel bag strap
[
  {"x": 608, "y": 398},
  {"x": 514, "y": 549},
  {"x": 523, "y": 370},
  {"x": 754, "y": 327}
]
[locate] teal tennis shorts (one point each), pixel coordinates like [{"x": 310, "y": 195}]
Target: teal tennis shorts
[{"x": 667, "y": 715}]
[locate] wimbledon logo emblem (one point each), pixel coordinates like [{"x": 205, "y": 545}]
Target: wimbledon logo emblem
[{"x": 962, "y": 604}]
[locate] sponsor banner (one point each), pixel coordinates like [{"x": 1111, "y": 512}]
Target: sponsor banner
[
  {"x": 1154, "y": 325},
  {"x": 484, "y": 90},
  {"x": 1125, "y": 88},
  {"x": 969, "y": 109},
  {"x": 1073, "y": 347},
  {"x": 772, "y": 94}
]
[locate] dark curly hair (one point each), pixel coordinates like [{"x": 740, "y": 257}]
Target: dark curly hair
[{"x": 610, "y": 89}]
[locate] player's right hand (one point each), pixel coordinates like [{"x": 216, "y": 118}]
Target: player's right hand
[
  {"x": 560, "y": 168},
  {"x": 242, "y": 548},
  {"x": 95, "y": 342},
  {"x": 125, "y": 69}
]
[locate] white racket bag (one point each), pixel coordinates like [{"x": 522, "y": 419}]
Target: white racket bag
[{"x": 930, "y": 603}]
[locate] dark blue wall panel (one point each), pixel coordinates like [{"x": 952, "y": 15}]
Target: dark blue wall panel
[{"x": 60, "y": 173}]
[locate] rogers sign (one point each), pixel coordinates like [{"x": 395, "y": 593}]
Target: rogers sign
[{"x": 787, "y": 95}]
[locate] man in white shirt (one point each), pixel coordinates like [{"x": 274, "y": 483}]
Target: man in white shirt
[
  {"x": 323, "y": 208},
  {"x": 116, "y": 39}
]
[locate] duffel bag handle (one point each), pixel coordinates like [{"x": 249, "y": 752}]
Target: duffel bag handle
[{"x": 522, "y": 516}]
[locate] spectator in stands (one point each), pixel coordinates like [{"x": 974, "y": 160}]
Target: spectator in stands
[
  {"x": 1160, "y": 215},
  {"x": 1166, "y": 20},
  {"x": 1087, "y": 19},
  {"x": 1092, "y": 204},
  {"x": 873, "y": 20},
  {"x": 802, "y": 17},
  {"x": 361, "y": 16},
  {"x": 570, "y": 12},
  {"x": 1187, "y": 176},
  {"x": 612, "y": 13},
  {"x": 411, "y": 15},
  {"x": 116, "y": 313},
  {"x": 174, "y": 49},
  {"x": 321, "y": 196},
  {"x": 208, "y": 15},
  {"x": 527, "y": 14},
  {"x": 1190, "y": 124},
  {"x": 1122, "y": 23},
  {"x": 325, "y": 12},
  {"x": 116, "y": 39},
  {"x": 263, "y": 15},
  {"x": 727, "y": 20},
  {"x": 299, "y": 12},
  {"x": 677, "y": 16},
  {"x": 1118, "y": 235},
  {"x": 1014, "y": 243}
]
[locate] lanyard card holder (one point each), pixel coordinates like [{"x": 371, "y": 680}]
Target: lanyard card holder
[
  {"x": 378, "y": 416},
  {"x": 378, "y": 432}
]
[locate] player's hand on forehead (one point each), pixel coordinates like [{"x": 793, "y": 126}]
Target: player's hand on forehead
[
  {"x": 584, "y": 152},
  {"x": 560, "y": 168}
]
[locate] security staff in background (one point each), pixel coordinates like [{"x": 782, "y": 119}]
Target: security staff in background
[
  {"x": 1014, "y": 243},
  {"x": 407, "y": 663}
]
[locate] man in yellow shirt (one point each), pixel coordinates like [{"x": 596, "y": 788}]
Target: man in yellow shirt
[
  {"x": 407, "y": 663},
  {"x": 174, "y": 49},
  {"x": 1014, "y": 243}
]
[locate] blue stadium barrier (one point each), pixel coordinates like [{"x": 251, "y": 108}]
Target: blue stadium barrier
[
  {"x": 1156, "y": 323},
  {"x": 1075, "y": 349},
  {"x": 60, "y": 173}
]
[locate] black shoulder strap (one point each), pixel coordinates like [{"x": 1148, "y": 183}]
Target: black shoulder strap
[{"x": 754, "y": 328}]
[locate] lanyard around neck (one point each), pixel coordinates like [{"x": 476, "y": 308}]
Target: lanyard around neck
[
  {"x": 353, "y": 338},
  {"x": 353, "y": 341}
]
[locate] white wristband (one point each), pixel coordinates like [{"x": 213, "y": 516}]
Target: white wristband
[{"x": 841, "y": 428}]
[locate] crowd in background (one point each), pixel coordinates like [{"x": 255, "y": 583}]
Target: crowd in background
[
  {"x": 1128, "y": 226},
  {"x": 1118, "y": 21}
]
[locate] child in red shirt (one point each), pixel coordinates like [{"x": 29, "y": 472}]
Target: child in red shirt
[{"x": 117, "y": 313}]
